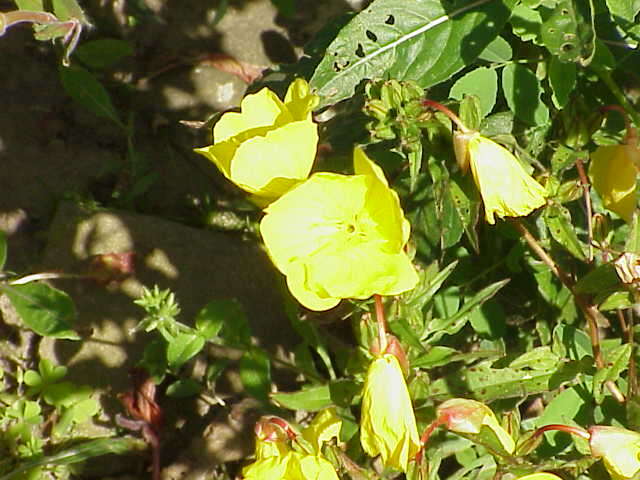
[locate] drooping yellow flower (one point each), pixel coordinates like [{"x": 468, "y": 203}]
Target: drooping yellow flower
[
  {"x": 291, "y": 466},
  {"x": 340, "y": 236},
  {"x": 613, "y": 173},
  {"x": 619, "y": 449},
  {"x": 270, "y": 145},
  {"x": 461, "y": 415},
  {"x": 506, "y": 189},
  {"x": 387, "y": 424}
]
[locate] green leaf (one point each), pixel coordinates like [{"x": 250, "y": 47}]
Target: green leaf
[
  {"x": 85, "y": 89},
  {"x": 626, "y": 10},
  {"x": 481, "y": 82},
  {"x": 559, "y": 223},
  {"x": 564, "y": 408},
  {"x": 182, "y": 348},
  {"x": 77, "y": 413},
  {"x": 45, "y": 310},
  {"x": 255, "y": 373},
  {"x": 80, "y": 452},
  {"x": 310, "y": 398},
  {"x": 397, "y": 38},
  {"x": 3, "y": 249},
  {"x": 603, "y": 277},
  {"x": 617, "y": 362},
  {"x": 211, "y": 319},
  {"x": 540, "y": 358},
  {"x": 229, "y": 314},
  {"x": 31, "y": 5},
  {"x": 522, "y": 90},
  {"x": 450, "y": 325},
  {"x": 562, "y": 78},
  {"x": 103, "y": 53},
  {"x": 613, "y": 301},
  {"x": 567, "y": 31},
  {"x": 632, "y": 244},
  {"x": 467, "y": 205},
  {"x": 526, "y": 22},
  {"x": 68, "y": 9},
  {"x": 498, "y": 51},
  {"x": 184, "y": 388}
]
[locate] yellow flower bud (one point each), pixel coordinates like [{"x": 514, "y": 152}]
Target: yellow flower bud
[
  {"x": 619, "y": 449},
  {"x": 270, "y": 145},
  {"x": 468, "y": 416},
  {"x": 388, "y": 425},
  {"x": 506, "y": 189},
  {"x": 613, "y": 173}
]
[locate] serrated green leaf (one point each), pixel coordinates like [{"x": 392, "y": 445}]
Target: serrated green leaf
[
  {"x": 311, "y": 398},
  {"x": 103, "y": 53},
  {"x": 562, "y": 78},
  {"x": 396, "y": 38},
  {"x": 617, "y": 362},
  {"x": 45, "y": 310},
  {"x": 558, "y": 221},
  {"x": 255, "y": 373},
  {"x": 567, "y": 31},
  {"x": 522, "y": 90},
  {"x": 498, "y": 51},
  {"x": 182, "y": 348},
  {"x": 85, "y": 89},
  {"x": 481, "y": 82}
]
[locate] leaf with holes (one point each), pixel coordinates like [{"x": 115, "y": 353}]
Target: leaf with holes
[
  {"x": 425, "y": 40},
  {"x": 568, "y": 31}
]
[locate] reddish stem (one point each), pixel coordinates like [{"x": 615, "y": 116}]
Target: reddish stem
[
  {"x": 577, "y": 431},
  {"x": 454, "y": 118},
  {"x": 382, "y": 323},
  {"x": 584, "y": 181},
  {"x": 426, "y": 435}
]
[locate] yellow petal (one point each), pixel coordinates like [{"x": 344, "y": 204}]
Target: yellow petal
[
  {"x": 299, "y": 100},
  {"x": 262, "y": 109},
  {"x": 619, "y": 449},
  {"x": 325, "y": 426},
  {"x": 387, "y": 424},
  {"x": 314, "y": 467},
  {"x": 540, "y": 476},
  {"x": 506, "y": 189},
  {"x": 270, "y": 165},
  {"x": 613, "y": 174}
]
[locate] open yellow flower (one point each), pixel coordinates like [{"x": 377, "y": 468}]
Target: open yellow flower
[
  {"x": 340, "y": 236},
  {"x": 506, "y": 189},
  {"x": 270, "y": 145},
  {"x": 387, "y": 424},
  {"x": 619, "y": 449},
  {"x": 613, "y": 173}
]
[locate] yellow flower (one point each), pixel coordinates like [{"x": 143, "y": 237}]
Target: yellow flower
[
  {"x": 619, "y": 449},
  {"x": 388, "y": 425},
  {"x": 613, "y": 173},
  {"x": 506, "y": 189},
  {"x": 270, "y": 145},
  {"x": 540, "y": 476},
  {"x": 325, "y": 426},
  {"x": 291, "y": 466},
  {"x": 468, "y": 416},
  {"x": 340, "y": 236}
]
